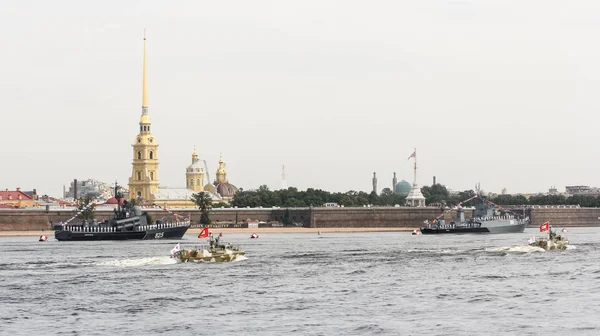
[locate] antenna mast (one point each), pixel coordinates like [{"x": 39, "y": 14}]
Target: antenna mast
[
  {"x": 283, "y": 178},
  {"x": 207, "y": 173}
]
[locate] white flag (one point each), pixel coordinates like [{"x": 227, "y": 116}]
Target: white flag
[{"x": 176, "y": 249}]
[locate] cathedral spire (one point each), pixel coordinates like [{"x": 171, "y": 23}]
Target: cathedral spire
[{"x": 144, "y": 86}]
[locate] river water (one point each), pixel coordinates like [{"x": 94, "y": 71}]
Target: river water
[{"x": 368, "y": 283}]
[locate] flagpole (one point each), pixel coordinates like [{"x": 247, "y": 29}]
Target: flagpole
[{"x": 415, "y": 174}]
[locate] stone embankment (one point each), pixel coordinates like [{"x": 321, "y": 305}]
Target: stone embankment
[
  {"x": 374, "y": 217},
  {"x": 564, "y": 216}
]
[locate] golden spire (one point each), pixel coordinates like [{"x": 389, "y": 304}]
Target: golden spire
[
  {"x": 194, "y": 155},
  {"x": 144, "y": 87},
  {"x": 221, "y": 174}
]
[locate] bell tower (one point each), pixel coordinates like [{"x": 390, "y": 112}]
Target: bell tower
[{"x": 144, "y": 176}]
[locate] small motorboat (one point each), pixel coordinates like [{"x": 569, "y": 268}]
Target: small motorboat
[
  {"x": 254, "y": 235},
  {"x": 553, "y": 242},
  {"x": 216, "y": 252},
  {"x": 43, "y": 238}
]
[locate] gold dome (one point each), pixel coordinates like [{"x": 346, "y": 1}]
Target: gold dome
[{"x": 145, "y": 119}]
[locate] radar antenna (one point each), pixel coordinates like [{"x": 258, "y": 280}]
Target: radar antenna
[{"x": 478, "y": 188}]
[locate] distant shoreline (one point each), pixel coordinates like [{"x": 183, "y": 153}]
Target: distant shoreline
[{"x": 242, "y": 230}]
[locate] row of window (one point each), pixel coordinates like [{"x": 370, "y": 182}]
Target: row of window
[
  {"x": 144, "y": 128},
  {"x": 139, "y": 176},
  {"x": 191, "y": 182},
  {"x": 151, "y": 155},
  {"x": 139, "y": 140}
]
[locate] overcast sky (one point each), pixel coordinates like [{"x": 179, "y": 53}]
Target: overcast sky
[{"x": 504, "y": 93}]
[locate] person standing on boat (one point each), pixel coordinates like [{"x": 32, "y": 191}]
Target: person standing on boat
[
  {"x": 212, "y": 240},
  {"x": 551, "y": 233}
]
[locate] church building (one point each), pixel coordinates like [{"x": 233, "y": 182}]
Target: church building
[{"x": 144, "y": 180}]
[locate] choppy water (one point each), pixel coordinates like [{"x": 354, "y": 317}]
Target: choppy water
[{"x": 304, "y": 284}]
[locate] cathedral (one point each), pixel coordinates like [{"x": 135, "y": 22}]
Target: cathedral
[{"x": 144, "y": 181}]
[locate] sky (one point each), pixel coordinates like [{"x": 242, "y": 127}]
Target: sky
[{"x": 503, "y": 92}]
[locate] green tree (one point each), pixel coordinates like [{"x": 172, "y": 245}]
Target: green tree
[
  {"x": 386, "y": 197},
  {"x": 86, "y": 209},
  {"x": 436, "y": 193},
  {"x": 204, "y": 203},
  {"x": 135, "y": 201},
  {"x": 374, "y": 198},
  {"x": 221, "y": 205}
]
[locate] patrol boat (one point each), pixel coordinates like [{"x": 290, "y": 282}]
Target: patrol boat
[
  {"x": 216, "y": 252},
  {"x": 128, "y": 222},
  {"x": 553, "y": 242},
  {"x": 486, "y": 219}
]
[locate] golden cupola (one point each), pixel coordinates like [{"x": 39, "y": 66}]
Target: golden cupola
[{"x": 222, "y": 185}]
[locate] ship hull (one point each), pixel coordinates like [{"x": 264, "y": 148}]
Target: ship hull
[
  {"x": 494, "y": 228},
  {"x": 162, "y": 233}
]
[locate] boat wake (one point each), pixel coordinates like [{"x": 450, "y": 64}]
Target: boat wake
[
  {"x": 163, "y": 260},
  {"x": 240, "y": 258},
  {"x": 517, "y": 249}
]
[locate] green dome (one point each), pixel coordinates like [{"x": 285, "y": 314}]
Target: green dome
[{"x": 402, "y": 188}]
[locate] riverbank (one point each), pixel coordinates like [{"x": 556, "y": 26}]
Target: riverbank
[{"x": 242, "y": 230}]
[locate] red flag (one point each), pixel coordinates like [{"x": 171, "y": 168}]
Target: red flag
[
  {"x": 414, "y": 154},
  {"x": 203, "y": 233},
  {"x": 545, "y": 227}
]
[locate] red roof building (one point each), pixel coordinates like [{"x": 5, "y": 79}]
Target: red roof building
[
  {"x": 14, "y": 195},
  {"x": 16, "y": 198},
  {"x": 113, "y": 200}
]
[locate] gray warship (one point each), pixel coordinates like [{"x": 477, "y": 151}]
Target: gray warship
[
  {"x": 486, "y": 219},
  {"x": 127, "y": 223}
]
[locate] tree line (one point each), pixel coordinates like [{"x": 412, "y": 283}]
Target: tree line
[
  {"x": 292, "y": 197},
  {"x": 439, "y": 194},
  {"x": 435, "y": 194}
]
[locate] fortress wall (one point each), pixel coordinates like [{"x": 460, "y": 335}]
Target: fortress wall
[
  {"x": 559, "y": 217},
  {"x": 376, "y": 217},
  {"x": 17, "y": 220}
]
